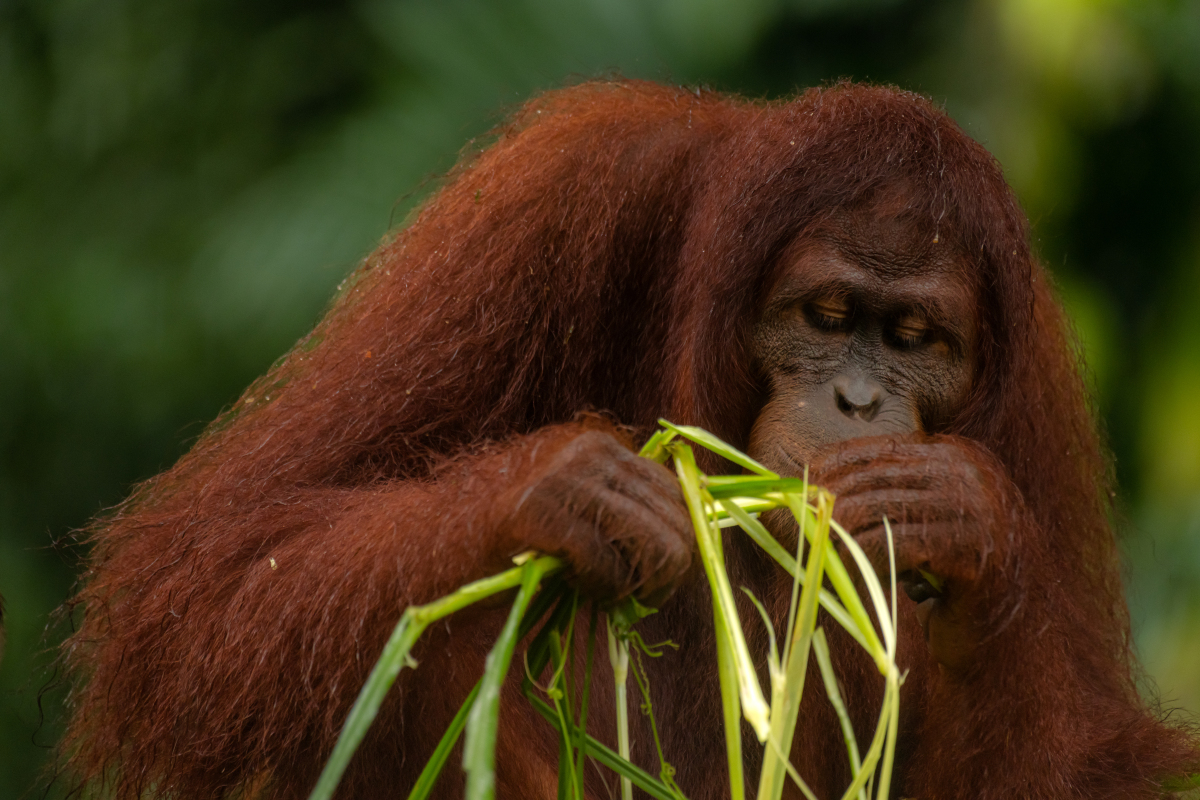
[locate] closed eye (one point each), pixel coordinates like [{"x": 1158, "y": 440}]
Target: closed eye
[
  {"x": 831, "y": 314},
  {"x": 910, "y": 331}
]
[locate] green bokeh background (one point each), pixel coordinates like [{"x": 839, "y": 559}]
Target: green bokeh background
[{"x": 183, "y": 183}]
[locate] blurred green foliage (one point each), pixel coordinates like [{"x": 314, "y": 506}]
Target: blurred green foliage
[{"x": 182, "y": 185}]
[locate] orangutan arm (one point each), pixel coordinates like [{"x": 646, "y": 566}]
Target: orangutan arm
[{"x": 239, "y": 636}]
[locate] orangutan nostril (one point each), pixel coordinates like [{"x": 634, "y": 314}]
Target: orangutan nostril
[{"x": 858, "y": 396}]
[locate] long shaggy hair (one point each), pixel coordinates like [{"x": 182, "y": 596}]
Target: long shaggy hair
[{"x": 607, "y": 251}]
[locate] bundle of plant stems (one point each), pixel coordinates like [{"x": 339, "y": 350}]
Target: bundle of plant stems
[{"x": 714, "y": 502}]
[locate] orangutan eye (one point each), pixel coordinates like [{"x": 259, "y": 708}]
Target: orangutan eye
[
  {"x": 830, "y": 313},
  {"x": 910, "y": 331}
]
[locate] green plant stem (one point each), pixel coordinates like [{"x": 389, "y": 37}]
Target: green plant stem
[
  {"x": 562, "y": 693},
  {"x": 763, "y": 538},
  {"x": 712, "y": 443},
  {"x": 889, "y": 748},
  {"x": 666, "y": 771},
  {"x": 618, "y": 655},
  {"x": 786, "y": 709},
  {"x": 479, "y": 747},
  {"x": 603, "y": 754},
  {"x": 712, "y": 501},
  {"x": 584, "y": 701},
  {"x": 872, "y": 756},
  {"x": 861, "y": 626},
  {"x": 552, "y": 592},
  {"x": 395, "y": 656},
  {"x": 875, "y": 591},
  {"x": 433, "y": 768},
  {"x": 708, "y": 538},
  {"x": 821, "y": 650},
  {"x": 732, "y": 714}
]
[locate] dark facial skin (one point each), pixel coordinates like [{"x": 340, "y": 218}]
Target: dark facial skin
[
  {"x": 868, "y": 331},
  {"x": 866, "y": 343}
]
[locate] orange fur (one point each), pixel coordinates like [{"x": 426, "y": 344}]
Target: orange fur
[{"x": 607, "y": 251}]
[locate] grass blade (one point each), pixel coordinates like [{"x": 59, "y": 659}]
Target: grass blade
[
  {"x": 479, "y": 749},
  {"x": 585, "y": 700},
  {"x": 655, "y": 447},
  {"x": 603, "y": 754},
  {"x": 871, "y": 758},
  {"x": 821, "y": 650},
  {"x": 731, "y": 712},
  {"x": 433, "y": 768},
  {"x": 412, "y": 623},
  {"x": 754, "y": 705},
  {"x": 882, "y": 613},
  {"x": 889, "y": 749},
  {"x": 553, "y": 591},
  {"x": 759, "y": 533},
  {"x": 785, "y": 710},
  {"x": 618, "y": 656},
  {"x": 751, "y": 486},
  {"x": 710, "y": 442},
  {"x": 763, "y": 538}
]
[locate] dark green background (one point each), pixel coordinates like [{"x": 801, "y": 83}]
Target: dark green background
[{"x": 183, "y": 183}]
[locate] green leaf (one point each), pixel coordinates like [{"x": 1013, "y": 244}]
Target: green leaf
[
  {"x": 618, "y": 657},
  {"x": 629, "y": 612},
  {"x": 821, "y": 649},
  {"x": 761, "y": 536},
  {"x": 710, "y": 442},
  {"x": 395, "y": 656},
  {"x": 754, "y": 705},
  {"x": 552, "y": 591},
  {"x": 479, "y": 748},
  {"x": 581, "y": 729},
  {"x": 654, "y": 448},
  {"x": 758, "y": 532},
  {"x": 751, "y": 486},
  {"x": 433, "y": 768},
  {"x": 731, "y": 715},
  {"x": 638, "y": 776},
  {"x": 785, "y": 706},
  {"x": 874, "y": 589},
  {"x": 773, "y": 662}
]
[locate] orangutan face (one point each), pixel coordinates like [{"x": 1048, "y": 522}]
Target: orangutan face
[{"x": 869, "y": 330}]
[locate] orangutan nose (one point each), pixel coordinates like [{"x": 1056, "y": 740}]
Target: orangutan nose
[{"x": 858, "y": 396}]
